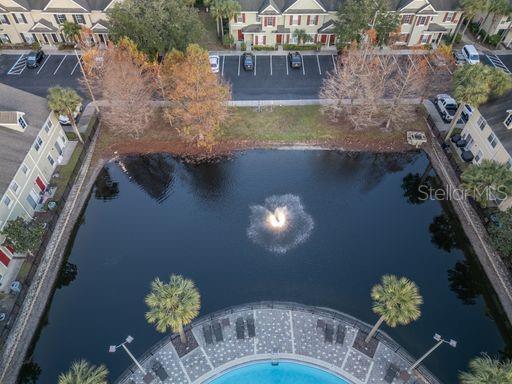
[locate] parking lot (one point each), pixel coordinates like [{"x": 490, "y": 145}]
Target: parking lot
[
  {"x": 273, "y": 78},
  {"x": 54, "y": 70}
]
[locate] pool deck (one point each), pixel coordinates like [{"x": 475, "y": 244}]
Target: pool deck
[{"x": 286, "y": 332}]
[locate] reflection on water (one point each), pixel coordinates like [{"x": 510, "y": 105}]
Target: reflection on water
[{"x": 153, "y": 215}]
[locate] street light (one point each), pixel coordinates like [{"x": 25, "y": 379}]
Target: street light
[
  {"x": 128, "y": 340},
  {"x": 437, "y": 337}
]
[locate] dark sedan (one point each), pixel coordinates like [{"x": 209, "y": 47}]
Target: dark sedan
[
  {"x": 34, "y": 58},
  {"x": 295, "y": 59},
  {"x": 248, "y": 61}
]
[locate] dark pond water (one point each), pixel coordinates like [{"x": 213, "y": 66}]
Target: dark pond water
[{"x": 152, "y": 216}]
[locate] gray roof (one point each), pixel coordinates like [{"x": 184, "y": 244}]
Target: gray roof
[
  {"x": 433, "y": 27},
  {"x": 8, "y": 117},
  {"x": 495, "y": 113},
  {"x": 14, "y": 145},
  {"x": 87, "y": 4},
  {"x": 333, "y": 5},
  {"x": 46, "y": 26}
]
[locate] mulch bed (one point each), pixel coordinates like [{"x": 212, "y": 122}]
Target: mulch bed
[
  {"x": 183, "y": 349},
  {"x": 367, "y": 348}
]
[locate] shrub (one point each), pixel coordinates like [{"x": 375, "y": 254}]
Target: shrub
[
  {"x": 35, "y": 46},
  {"x": 493, "y": 39},
  {"x": 458, "y": 38},
  {"x": 297, "y": 47},
  {"x": 473, "y": 27},
  {"x": 243, "y": 46},
  {"x": 228, "y": 40},
  {"x": 64, "y": 46},
  {"x": 263, "y": 48}
]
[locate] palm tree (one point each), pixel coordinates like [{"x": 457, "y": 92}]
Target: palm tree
[
  {"x": 487, "y": 180},
  {"x": 71, "y": 30},
  {"x": 397, "y": 301},
  {"x": 470, "y": 9},
  {"x": 65, "y": 101},
  {"x": 217, "y": 13},
  {"x": 485, "y": 370},
  {"x": 301, "y": 36},
  {"x": 496, "y": 7},
  {"x": 82, "y": 372},
  {"x": 173, "y": 305},
  {"x": 231, "y": 9},
  {"x": 474, "y": 84}
]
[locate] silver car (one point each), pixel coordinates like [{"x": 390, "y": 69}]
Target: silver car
[{"x": 214, "y": 63}]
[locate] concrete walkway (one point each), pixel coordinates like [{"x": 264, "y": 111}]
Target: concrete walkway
[{"x": 283, "y": 332}]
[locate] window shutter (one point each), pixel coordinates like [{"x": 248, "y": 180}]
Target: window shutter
[
  {"x": 298, "y": 23},
  {"x": 23, "y": 38},
  {"x": 264, "y": 21},
  {"x": 428, "y": 38},
  {"x": 291, "y": 20},
  {"x": 243, "y": 17},
  {"x": 309, "y": 20},
  {"x": 317, "y": 19},
  {"x": 75, "y": 19},
  {"x": 316, "y": 38},
  {"x": 264, "y": 40},
  {"x": 56, "y": 18},
  {"x": 24, "y": 18},
  {"x": 454, "y": 18},
  {"x": 15, "y": 18},
  {"x": 6, "y": 20},
  {"x": 445, "y": 16},
  {"x": 418, "y": 21}
]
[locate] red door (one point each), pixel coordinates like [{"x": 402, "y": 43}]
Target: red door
[
  {"x": 331, "y": 39},
  {"x": 278, "y": 39},
  {"x": 240, "y": 35},
  {"x": 40, "y": 184},
  {"x": 4, "y": 259},
  {"x": 323, "y": 39}
]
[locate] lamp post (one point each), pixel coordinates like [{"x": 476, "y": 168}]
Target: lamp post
[
  {"x": 128, "y": 340},
  {"x": 440, "y": 341}
]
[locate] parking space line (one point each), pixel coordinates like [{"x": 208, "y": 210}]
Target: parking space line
[
  {"x": 19, "y": 66},
  {"x": 286, "y": 64},
  {"x": 76, "y": 65},
  {"x": 318, "y": 62},
  {"x": 42, "y": 65},
  {"x": 303, "y": 69},
  {"x": 64, "y": 58},
  {"x": 255, "y": 64},
  {"x": 334, "y": 64},
  {"x": 239, "y": 65},
  {"x": 223, "y": 60},
  {"x": 270, "y": 65}
]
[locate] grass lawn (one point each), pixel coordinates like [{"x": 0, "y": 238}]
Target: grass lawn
[{"x": 210, "y": 41}]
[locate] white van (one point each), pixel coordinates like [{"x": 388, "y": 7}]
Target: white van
[{"x": 470, "y": 54}]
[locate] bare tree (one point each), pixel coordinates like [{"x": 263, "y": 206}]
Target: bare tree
[{"x": 123, "y": 79}]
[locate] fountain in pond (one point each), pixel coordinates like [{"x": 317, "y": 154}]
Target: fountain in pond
[{"x": 280, "y": 224}]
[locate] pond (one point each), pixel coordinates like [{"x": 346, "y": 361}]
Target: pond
[{"x": 152, "y": 215}]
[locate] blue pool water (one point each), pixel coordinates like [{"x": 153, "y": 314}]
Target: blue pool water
[{"x": 283, "y": 373}]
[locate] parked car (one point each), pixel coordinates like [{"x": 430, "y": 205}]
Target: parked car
[
  {"x": 64, "y": 120},
  {"x": 295, "y": 59},
  {"x": 470, "y": 54},
  {"x": 214, "y": 63},
  {"x": 447, "y": 106},
  {"x": 248, "y": 61},
  {"x": 459, "y": 58},
  {"x": 34, "y": 58}
]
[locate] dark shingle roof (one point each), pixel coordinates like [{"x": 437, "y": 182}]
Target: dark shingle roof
[
  {"x": 495, "y": 113},
  {"x": 14, "y": 145}
]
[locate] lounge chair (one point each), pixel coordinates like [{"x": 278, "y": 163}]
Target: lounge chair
[
  {"x": 225, "y": 322},
  {"x": 251, "y": 329},
  {"x": 340, "y": 334},
  {"x": 159, "y": 370},
  {"x": 217, "y": 331},
  {"x": 207, "y": 333},
  {"x": 391, "y": 373},
  {"x": 328, "y": 333},
  {"x": 240, "y": 328},
  {"x": 148, "y": 378},
  {"x": 320, "y": 323}
]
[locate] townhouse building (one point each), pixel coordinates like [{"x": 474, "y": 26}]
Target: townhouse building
[
  {"x": 27, "y": 21},
  {"x": 31, "y": 145},
  {"x": 497, "y": 25},
  {"x": 273, "y": 22},
  {"x": 488, "y": 134}
]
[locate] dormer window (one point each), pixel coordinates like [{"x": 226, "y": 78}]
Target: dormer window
[
  {"x": 22, "y": 122},
  {"x": 508, "y": 120}
]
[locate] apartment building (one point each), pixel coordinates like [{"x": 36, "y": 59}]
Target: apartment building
[
  {"x": 273, "y": 22},
  {"x": 488, "y": 133},
  {"x": 497, "y": 25},
  {"x": 27, "y": 21},
  {"x": 31, "y": 145}
]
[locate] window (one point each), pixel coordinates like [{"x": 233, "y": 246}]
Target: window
[
  {"x": 270, "y": 21},
  {"x": 24, "y": 169},
  {"x": 313, "y": 20},
  {"x": 448, "y": 17},
  {"x": 424, "y": 39},
  {"x": 19, "y": 18},
  {"x": 14, "y": 187},
  {"x": 258, "y": 19},
  {"x": 481, "y": 123},
  {"x": 508, "y": 121},
  {"x": 407, "y": 19},
  {"x": 22, "y": 122},
  {"x": 32, "y": 199},
  {"x": 55, "y": 38},
  {"x": 493, "y": 140},
  {"x": 4, "y": 37},
  {"x": 422, "y": 20},
  {"x": 240, "y": 18},
  {"x": 478, "y": 156},
  {"x": 38, "y": 143},
  {"x": 7, "y": 201},
  {"x": 48, "y": 126},
  {"x": 4, "y": 19},
  {"x": 79, "y": 19},
  {"x": 60, "y": 18},
  {"x": 294, "y": 20},
  {"x": 50, "y": 160}
]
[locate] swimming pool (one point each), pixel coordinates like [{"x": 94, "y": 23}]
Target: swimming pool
[{"x": 283, "y": 373}]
